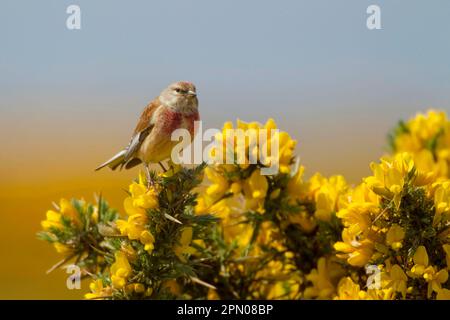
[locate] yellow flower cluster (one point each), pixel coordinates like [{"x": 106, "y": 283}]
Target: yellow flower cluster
[
  {"x": 377, "y": 216},
  {"x": 349, "y": 290},
  {"x": 136, "y": 205},
  {"x": 232, "y": 191},
  {"x": 234, "y": 188},
  {"x": 278, "y": 280},
  {"x": 183, "y": 247},
  {"x": 431, "y": 274},
  {"x": 98, "y": 290},
  {"x": 120, "y": 273},
  {"x": 54, "y": 218},
  {"x": 65, "y": 213},
  {"x": 120, "y": 270},
  {"x": 320, "y": 199},
  {"x": 241, "y": 234},
  {"x": 324, "y": 279},
  {"x": 324, "y": 193},
  {"x": 427, "y": 138},
  {"x": 391, "y": 220},
  {"x": 252, "y": 142}
]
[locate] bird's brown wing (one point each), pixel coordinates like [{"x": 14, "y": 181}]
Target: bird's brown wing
[
  {"x": 142, "y": 130},
  {"x": 146, "y": 116}
]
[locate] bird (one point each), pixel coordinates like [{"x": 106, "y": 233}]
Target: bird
[{"x": 175, "y": 108}]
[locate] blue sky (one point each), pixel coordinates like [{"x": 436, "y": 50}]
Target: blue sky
[{"x": 312, "y": 65}]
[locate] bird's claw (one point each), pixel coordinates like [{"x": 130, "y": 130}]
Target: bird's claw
[{"x": 150, "y": 183}]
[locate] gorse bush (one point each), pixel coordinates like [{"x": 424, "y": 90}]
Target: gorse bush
[{"x": 225, "y": 231}]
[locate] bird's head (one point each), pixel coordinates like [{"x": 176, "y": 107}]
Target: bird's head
[{"x": 181, "y": 96}]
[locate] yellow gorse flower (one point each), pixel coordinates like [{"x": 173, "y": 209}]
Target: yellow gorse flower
[
  {"x": 395, "y": 236},
  {"x": 427, "y": 138},
  {"x": 53, "y": 220},
  {"x": 443, "y": 294},
  {"x": 98, "y": 290},
  {"x": 326, "y": 193},
  {"x": 446, "y": 248},
  {"x": 219, "y": 184},
  {"x": 255, "y": 191},
  {"x": 136, "y": 205},
  {"x": 148, "y": 240},
  {"x": 421, "y": 129},
  {"x": 67, "y": 210},
  {"x": 184, "y": 248},
  {"x": 422, "y": 269},
  {"x": 120, "y": 270},
  {"x": 62, "y": 248},
  {"x": 389, "y": 176},
  {"x": 140, "y": 199},
  {"x": 442, "y": 203},
  {"x": 296, "y": 185},
  {"x": 396, "y": 279},
  {"x": 356, "y": 252},
  {"x": 348, "y": 290},
  {"x": 248, "y": 140},
  {"x": 322, "y": 286},
  {"x": 277, "y": 281}
]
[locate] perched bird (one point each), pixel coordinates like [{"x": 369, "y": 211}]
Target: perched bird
[{"x": 175, "y": 108}]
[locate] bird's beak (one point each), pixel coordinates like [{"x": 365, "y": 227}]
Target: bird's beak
[{"x": 192, "y": 93}]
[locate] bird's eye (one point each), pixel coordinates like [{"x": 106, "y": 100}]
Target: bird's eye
[{"x": 178, "y": 90}]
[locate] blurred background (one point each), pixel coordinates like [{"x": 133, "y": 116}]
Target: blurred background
[{"x": 69, "y": 99}]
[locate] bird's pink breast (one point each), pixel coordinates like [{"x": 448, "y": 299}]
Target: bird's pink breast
[{"x": 172, "y": 120}]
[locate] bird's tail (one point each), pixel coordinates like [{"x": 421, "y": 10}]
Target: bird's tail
[{"x": 114, "y": 162}]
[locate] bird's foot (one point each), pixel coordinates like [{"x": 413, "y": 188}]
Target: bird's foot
[
  {"x": 162, "y": 166},
  {"x": 150, "y": 183}
]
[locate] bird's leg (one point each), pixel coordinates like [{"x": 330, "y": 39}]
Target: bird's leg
[
  {"x": 150, "y": 182},
  {"x": 162, "y": 166}
]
